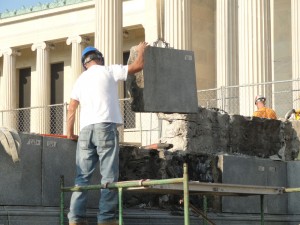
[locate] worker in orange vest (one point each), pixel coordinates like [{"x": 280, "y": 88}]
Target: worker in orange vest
[{"x": 262, "y": 110}]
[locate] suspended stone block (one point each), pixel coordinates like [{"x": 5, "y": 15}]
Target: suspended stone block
[{"x": 167, "y": 83}]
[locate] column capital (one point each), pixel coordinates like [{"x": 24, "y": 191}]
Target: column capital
[
  {"x": 77, "y": 39},
  {"x": 42, "y": 45},
  {"x": 9, "y": 51}
]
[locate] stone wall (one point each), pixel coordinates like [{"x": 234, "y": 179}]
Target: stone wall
[
  {"x": 137, "y": 164},
  {"x": 214, "y": 132}
]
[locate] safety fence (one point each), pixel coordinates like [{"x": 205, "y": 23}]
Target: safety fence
[
  {"x": 281, "y": 96},
  {"x": 146, "y": 128},
  {"x": 137, "y": 127}
]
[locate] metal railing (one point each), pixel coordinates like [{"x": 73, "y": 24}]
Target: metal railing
[
  {"x": 281, "y": 96},
  {"x": 142, "y": 128},
  {"x": 146, "y": 128}
]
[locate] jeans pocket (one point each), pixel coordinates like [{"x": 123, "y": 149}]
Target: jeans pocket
[
  {"x": 106, "y": 139},
  {"x": 84, "y": 139}
]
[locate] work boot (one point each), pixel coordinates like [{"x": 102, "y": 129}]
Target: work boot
[{"x": 112, "y": 222}]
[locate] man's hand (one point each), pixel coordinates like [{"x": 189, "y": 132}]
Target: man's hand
[
  {"x": 138, "y": 63},
  {"x": 72, "y": 137},
  {"x": 141, "y": 47}
]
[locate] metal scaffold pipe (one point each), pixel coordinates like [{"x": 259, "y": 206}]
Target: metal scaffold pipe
[
  {"x": 289, "y": 190},
  {"x": 125, "y": 184}
]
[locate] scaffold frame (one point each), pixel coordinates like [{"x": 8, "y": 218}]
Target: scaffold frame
[{"x": 176, "y": 186}]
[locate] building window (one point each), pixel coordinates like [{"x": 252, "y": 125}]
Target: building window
[
  {"x": 57, "y": 97},
  {"x": 24, "y": 99}
]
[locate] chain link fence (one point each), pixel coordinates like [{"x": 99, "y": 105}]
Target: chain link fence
[
  {"x": 146, "y": 128},
  {"x": 142, "y": 128},
  {"x": 281, "y": 96},
  {"x": 43, "y": 120}
]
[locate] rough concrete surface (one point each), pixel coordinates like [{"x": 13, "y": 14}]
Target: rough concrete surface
[
  {"x": 212, "y": 132},
  {"x": 136, "y": 164}
]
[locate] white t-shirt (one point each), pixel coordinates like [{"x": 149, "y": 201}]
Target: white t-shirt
[{"x": 96, "y": 89}]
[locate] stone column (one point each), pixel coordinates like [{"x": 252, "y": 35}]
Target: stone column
[
  {"x": 40, "y": 94},
  {"x": 78, "y": 43},
  {"x": 109, "y": 33},
  {"x": 178, "y": 24},
  {"x": 295, "y": 8},
  {"x": 109, "y": 36},
  {"x": 254, "y": 52},
  {"x": 227, "y": 54},
  {"x": 152, "y": 20},
  {"x": 8, "y": 89}
]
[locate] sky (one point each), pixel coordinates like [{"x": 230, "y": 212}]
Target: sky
[{"x": 18, "y": 4}]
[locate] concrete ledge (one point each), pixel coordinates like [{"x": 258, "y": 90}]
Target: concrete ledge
[{"x": 135, "y": 216}]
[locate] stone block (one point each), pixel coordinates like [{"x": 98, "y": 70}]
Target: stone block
[
  {"x": 167, "y": 83},
  {"x": 253, "y": 171},
  {"x": 21, "y": 182},
  {"x": 291, "y": 137},
  {"x": 255, "y": 136},
  {"x": 293, "y": 181},
  {"x": 59, "y": 156},
  {"x": 206, "y": 132}
]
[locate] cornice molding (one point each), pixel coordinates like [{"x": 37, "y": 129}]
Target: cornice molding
[{"x": 39, "y": 7}]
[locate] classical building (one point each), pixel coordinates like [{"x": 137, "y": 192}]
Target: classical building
[{"x": 236, "y": 43}]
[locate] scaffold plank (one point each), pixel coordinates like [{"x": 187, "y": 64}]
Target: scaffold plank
[{"x": 212, "y": 188}]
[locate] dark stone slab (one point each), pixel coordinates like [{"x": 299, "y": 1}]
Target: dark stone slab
[
  {"x": 276, "y": 176},
  {"x": 59, "y": 156},
  {"x": 167, "y": 84},
  {"x": 21, "y": 181},
  {"x": 254, "y": 171},
  {"x": 293, "y": 181}
]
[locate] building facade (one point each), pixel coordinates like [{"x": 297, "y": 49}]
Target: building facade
[{"x": 235, "y": 42}]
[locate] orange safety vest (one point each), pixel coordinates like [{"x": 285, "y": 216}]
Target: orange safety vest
[{"x": 265, "y": 113}]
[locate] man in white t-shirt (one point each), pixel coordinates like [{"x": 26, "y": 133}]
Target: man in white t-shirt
[{"x": 96, "y": 90}]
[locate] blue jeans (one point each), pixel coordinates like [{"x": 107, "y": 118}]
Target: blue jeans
[{"x": 97, "y": 142}]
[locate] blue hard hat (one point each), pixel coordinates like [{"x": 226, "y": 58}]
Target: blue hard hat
[{"x": 87, "y": 50}]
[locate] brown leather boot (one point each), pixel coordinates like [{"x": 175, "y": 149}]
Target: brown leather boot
[{"x": 113, "y": 222}]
